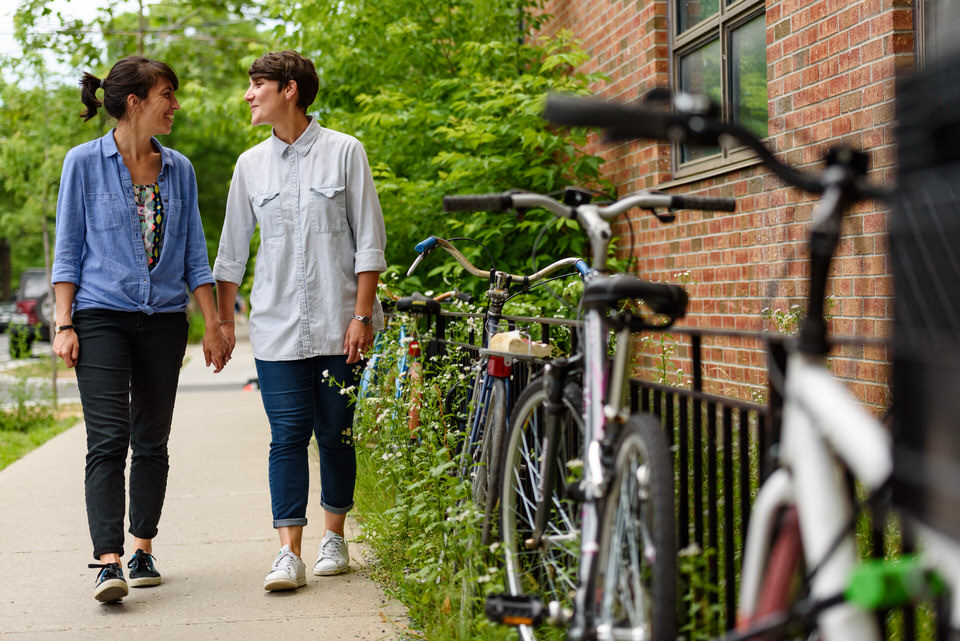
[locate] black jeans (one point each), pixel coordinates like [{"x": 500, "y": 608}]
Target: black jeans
[{"x": 127, "y": 373}]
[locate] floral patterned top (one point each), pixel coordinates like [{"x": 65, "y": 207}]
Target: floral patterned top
[{"x": 150, "y": 210}]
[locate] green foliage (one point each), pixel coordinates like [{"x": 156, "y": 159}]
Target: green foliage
[
  {"x": 28, "y": 408},
  {"x": 415, "y": 511}
]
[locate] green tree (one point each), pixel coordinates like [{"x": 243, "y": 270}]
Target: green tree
[{"x": 446, "y": 99}]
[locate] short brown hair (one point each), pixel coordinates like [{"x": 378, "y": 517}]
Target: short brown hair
[
  {"x": 132, "y": 75},
  {"x": 285, "y": 66}
]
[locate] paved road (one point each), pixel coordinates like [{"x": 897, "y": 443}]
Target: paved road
[{"x": 215, "y": 545}]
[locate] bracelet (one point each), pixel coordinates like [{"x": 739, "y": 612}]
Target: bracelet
[{"x": 224, "y": 322}]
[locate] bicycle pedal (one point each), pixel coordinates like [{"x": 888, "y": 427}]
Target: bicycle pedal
[{"x": 515, "y": 610}]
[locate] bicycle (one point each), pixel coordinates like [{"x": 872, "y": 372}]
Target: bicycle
[
  {"x": 623, "y": 541},
  {"x": 488, "y": 398},
  {"x": 800, "y": 565}
]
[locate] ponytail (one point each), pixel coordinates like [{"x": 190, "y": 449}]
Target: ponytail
[{"x": 88, "y": 95}]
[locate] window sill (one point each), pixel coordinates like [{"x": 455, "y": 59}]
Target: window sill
[{"x": 712, "y": 172}]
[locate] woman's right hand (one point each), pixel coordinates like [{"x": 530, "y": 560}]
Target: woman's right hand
[{"x": 66, "y": 345}]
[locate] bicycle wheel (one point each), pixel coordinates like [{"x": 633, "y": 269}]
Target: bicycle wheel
[
  {"x": 472, "y": 440},
  {"x": 495, "y": 431},
  {"x": 636, "y": 589},
  {"x": 783, "y": 578},
  {"x": 549, "y": 571}
]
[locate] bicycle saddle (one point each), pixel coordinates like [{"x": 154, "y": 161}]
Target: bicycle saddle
[
  {"x": 417, "y": 303},
  {"x": 662, "y": 298}
]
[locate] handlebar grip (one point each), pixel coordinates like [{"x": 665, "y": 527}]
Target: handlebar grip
[
  {"x": 580, "y": 111},
  {"x": 582, "y": 267},
  {"x": 478, "y": 202},
  {"x": 426, "y": 244},
  {"x": 706, "y": 203}
]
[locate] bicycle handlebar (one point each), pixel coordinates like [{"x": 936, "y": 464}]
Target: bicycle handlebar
[
  {"x": 528, "y": 200},
  {"x": 694, "y": 122},
  {"x": 427, "y": 245}
]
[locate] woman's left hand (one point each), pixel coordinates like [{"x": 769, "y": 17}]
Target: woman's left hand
[{"x": 358, "y": 340}]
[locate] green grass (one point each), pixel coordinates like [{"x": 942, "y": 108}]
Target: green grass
[
  {"x": 35, "y": 368},
  {"x": 14, "y": 443}
]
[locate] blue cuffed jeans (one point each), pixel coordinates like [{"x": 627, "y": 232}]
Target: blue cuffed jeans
[
  {"x": 300, "y": 401},
  {"x": 127, "y": 374}
]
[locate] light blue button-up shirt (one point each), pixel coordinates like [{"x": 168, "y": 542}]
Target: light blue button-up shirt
[
  {"x": 320, "y": 225},
  {"x": 99, "y": 244}
]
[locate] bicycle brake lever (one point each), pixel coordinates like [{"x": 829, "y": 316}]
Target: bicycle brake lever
[{"x": 416, "y": 261}]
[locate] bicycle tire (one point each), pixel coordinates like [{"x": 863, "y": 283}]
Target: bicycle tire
[
  {"x": 495, "y": 430},
  {"x": 783, "y": 577},
  {"x": 636, "y": 566},
  {"x": 468, "y": 454},
  {"x": 549, "y": 572}
]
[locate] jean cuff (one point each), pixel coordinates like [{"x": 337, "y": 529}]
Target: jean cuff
[
  {"x": 289, "y": 522},
  {"x": 337, "y": 510}
]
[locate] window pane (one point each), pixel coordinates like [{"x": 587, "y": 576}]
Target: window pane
[
  {"x": 691, "y": 12},
  {"x": 748, "y": 76},
  {"x": 700, "y": 73}
]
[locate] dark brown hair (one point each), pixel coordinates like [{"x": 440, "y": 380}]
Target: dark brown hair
[
  {"x": 285, "y": 66},
  {"x": 133, "y": 75}
]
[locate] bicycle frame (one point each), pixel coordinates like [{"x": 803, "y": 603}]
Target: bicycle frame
[
  {"x": 604, "y": 394},
  {"x": 824, "y": 430}
]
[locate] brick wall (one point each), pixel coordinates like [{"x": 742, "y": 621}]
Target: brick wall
[{"x": 831, "y": 70}]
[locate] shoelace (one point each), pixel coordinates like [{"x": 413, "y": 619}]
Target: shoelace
[
  {"x": 332, "y": 549},
  {"x": 107, "y": 570},
  {"x": 141, "y": 557},
  {"x": 286, "y": 561}
]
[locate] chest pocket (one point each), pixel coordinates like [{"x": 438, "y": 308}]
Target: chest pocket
[
  {"x": 328, "y": 208},
  {"x": 266, "y": 207},
  {"x": 104, "y": 212}
]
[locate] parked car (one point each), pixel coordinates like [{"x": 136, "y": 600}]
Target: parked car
[
  {"x": 31, "y": 318},
  {"x": 7, "y": 307}
]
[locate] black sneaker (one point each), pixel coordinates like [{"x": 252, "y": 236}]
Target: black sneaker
[
  {"x": 110, "y": 586},
  {"x": 142, "y": 571}
]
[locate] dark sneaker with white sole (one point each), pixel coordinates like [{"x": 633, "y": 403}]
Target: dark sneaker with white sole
[
  {"x": 143, "y": 572},
  {"x": 110, "y": 586}
]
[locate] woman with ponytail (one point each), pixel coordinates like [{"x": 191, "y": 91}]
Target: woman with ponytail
[{"x": 129, "y": 247}]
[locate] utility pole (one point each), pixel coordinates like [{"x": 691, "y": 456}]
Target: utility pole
[{"x": 142, "y": 27}]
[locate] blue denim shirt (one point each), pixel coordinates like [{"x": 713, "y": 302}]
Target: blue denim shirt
[{"x": 99, "y": 244}]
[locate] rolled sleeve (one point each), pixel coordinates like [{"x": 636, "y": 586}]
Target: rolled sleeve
[
  {"x": 196, "y": 262},
  {"x": 365, "y": 215},
  {"x": 70, "y": 226},
  {"x": 239, "y": 222}
]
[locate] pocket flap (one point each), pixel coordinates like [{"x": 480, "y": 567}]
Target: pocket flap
[
  {"x": 262, "y": 199},
  {"x": 327, "y": 190}
]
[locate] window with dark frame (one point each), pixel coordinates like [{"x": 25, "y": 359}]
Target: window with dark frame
[
  {"x": 719, "y": 49},
  {"x": 936, "y": 27}
]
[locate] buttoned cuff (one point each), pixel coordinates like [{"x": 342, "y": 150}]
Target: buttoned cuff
[
  {"x": 369, "y": 260},
  {"x": 228, "y": 270}
]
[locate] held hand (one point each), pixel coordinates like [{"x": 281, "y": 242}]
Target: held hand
[
  {"x": 66, "y": 345},
  {"x": 230, "y": 334},
  {"x": 357, "y": 341},
  {"x": 216, "y": 348}
]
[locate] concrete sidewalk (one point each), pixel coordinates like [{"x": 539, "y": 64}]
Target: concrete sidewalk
[{"x": 215, "y": 545}]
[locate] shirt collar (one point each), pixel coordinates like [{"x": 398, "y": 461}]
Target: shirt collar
[
  {"x": 302, "y": 144},
  {"x": 109, "y": 147}
]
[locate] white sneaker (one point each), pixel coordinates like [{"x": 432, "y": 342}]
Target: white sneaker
[
  {"x": 334, "y": 556},
  {"x": 288, "y": 572}
]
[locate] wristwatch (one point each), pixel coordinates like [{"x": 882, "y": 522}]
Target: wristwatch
[
  {"x": 62, "y": 328},
  {"x": 363, "y": 319}
]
